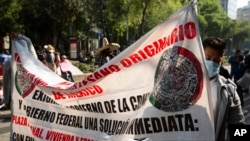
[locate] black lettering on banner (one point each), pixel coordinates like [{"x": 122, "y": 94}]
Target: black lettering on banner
[
  {"x": 89, "y": 107},
  {"x": 113, "y": 127},
  {"x": 90, "y": 123},
  {"x": 28, "y": 138},
  {"x": 139, "y": 126},
  {"x": 189, "y": 125},
  {"x": 17, "y": 137},
  {"x": 156, "y": 125},
  {"x": 69, "y": 120},
  {"x": 179, "y": 118},
  {"x": 20, "y": 104},
  {"x": 41, "y": 96},
  {"x": 138, "y": 101},
  {"x": 113, "y": 106},
  {"x": 40, "y": 114},
  {"x": 110, "y": 106},
  {"x": 173, "y": 123},
  {"x": 122, "y": 105}
]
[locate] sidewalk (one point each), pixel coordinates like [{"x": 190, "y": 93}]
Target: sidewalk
[{"x": 5, "y": 118}]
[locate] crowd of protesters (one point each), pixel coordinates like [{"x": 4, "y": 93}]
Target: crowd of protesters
[{"x": 240, "y": 68}]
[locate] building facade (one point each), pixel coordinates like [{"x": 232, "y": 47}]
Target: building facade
[
  {"x": 230, "y": 7},
  {"x": 244, "y": 12}
]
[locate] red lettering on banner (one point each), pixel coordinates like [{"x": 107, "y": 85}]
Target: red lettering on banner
[
  {"x": 149, "y": 50},
  {"x": 58, "y": 95},
  {"x": 181, "y": 34},
  {"x": 86, "y": 92},
  {"x": 19, "y": 120},
  {"x": 35, "y": 80},
  {"x": 177, "y": 34},
  {"x": 174, "y": 37},
  {"x": 37, "y": 132},
  {"x": 126, "y": 62},
  {"x": 57, "y": 136},
  {"x": 90, "y": 91},
  {"x": 190, "y": 31},
  {"x": 17, "y": 58}
]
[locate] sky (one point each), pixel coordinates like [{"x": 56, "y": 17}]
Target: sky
[{"x": 241, "y": 3}]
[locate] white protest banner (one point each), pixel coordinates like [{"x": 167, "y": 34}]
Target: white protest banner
[{"x": 154, "y": 90}]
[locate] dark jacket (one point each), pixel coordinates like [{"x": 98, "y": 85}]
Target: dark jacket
[
  {"x": 229, "y": 108},
  {"x": 224, "y": 72}
]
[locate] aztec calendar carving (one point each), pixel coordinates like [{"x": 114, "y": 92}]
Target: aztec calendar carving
[
  {"x": 22, "y": 82},
  {"x": 178, "y": 80}
]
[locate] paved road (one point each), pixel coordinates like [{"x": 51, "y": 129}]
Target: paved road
[{"x": 5, "y": 118}]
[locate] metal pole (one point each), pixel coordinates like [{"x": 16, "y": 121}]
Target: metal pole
[{"x": 194, "y": 2}]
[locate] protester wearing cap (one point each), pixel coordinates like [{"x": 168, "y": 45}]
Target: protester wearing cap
[{"x": 50, "y": 57}]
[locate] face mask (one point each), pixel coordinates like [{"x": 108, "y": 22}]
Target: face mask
[{"x": 212, "y": 68}]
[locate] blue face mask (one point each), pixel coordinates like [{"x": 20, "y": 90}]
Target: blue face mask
[{"x": 212, "y": 68}]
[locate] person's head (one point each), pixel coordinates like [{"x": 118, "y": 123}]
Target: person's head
[
  {"x": 64, "y": 57},
  {"x": 214, "y": 49},
  {"x": 49, "y": 48},
  {"x": 237, "y": 52}
]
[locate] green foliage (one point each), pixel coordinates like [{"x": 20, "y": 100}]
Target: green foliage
[
  {"x": 9, "y": 10},
  {"x": 84, "y": 67},
  {"x": 54, "y": 21}
]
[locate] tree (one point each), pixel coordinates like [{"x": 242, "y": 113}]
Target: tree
[
  {"x": 9, "y": 14},
  {"x": 122, "y": 21}
]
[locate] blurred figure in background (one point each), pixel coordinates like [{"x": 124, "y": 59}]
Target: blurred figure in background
[
  {"x": 233, "y": 62},
  {"x": 239, "y": 72},
  {"x": 50, "y": 57},
  {"x": 66, "y": 68}
]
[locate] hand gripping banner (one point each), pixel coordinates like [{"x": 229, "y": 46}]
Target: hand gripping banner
[{"x": 155, "y": 90}]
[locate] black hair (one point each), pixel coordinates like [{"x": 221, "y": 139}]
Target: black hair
[
  {"x": 241, "y": 57},
  {"x": 215, "y": 43}
]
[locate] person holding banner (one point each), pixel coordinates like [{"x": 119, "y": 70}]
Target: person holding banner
[
  {"x": 225, "y": 101},
  {"x": 8, "y": 74}
]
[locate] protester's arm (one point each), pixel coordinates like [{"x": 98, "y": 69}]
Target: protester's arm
[
  {"x": 29, "y": 43},
  {"x": 31, "y": 48},
  {"x": 236, "y": 115}
]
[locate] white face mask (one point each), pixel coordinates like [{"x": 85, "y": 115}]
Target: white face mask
[{"x": 212, "y": 68}]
